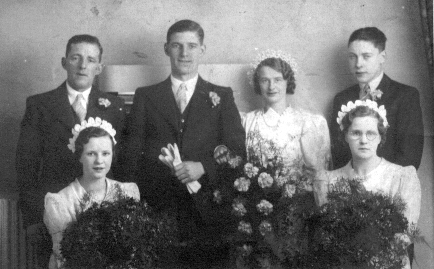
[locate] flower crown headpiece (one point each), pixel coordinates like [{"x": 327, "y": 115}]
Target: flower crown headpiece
[
  {"x": 271, "y": 54},
  {"x": 371, "y": 104},
  {"x": 91, "y": 122}
]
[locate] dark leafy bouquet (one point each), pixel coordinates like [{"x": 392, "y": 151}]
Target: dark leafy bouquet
[
  {"x": 263, "y": 182},
  {"x": 120, "y": 234},
  {"x": 356, "y": 228}
]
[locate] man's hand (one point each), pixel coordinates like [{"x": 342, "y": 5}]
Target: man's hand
[
  {"x": 189, "y": 171},
  {"x": 221, "y": 154}
]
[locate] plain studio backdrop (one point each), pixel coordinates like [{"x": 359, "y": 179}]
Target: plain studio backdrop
[{"x": 34, "y": 34}]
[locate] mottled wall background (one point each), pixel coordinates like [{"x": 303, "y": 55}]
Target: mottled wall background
[{"x": 33, "y": 36}]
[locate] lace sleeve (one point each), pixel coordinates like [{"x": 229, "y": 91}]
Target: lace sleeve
[
  {"x": 410, "y": 192},
  {"x": 315, "y": 143}
]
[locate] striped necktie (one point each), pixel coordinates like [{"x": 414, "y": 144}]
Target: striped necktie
[
  {"x": 181, "y": 97},
  {"x": 365, "y": 93},
  {"x": 78, "y": 107}
]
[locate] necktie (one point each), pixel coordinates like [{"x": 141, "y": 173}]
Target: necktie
[
  {"x": 365, "y": 94},
  {"x": 78, "y": 107},
  {"x": 181, "y": 97}
]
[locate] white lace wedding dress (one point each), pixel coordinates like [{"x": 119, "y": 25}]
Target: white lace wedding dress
[{"x": 303, "y": 136}]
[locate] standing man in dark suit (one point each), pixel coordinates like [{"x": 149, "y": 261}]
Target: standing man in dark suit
[
  {"x": 201, "y": 118},
  {"x": 43, "y": 161},
  {"x": 404, "y": 142}
]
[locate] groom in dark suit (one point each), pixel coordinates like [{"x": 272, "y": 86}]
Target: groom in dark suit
[
  {"x": 201, "y": 118},
  {"x": 43, "y": 161},
  {"x": 404, "y": 141}
]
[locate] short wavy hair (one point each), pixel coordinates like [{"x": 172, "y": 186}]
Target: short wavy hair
[
  {"x": 186, "y": 26},
  {"x": 90, "y": 39},
  {"x": 280, "y": 66},
  {"x": 363, "y": 111},
  {"x": 84, "y": 137}
]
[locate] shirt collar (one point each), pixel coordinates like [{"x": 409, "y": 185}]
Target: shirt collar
[
  {"x": 373, "y": 84},
  {"x": 72, "y": 94},
  {"x": 191, "y": 83}
]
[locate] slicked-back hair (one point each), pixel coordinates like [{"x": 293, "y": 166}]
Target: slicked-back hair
[
  {"x": 370, "y": 34},
  {"x": 186, "y": 26}
]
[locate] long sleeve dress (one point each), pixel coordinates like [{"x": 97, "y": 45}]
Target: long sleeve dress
[{"x": 61, "y": 209}]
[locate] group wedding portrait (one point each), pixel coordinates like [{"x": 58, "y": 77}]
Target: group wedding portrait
[{"x": 221, "y": 134}]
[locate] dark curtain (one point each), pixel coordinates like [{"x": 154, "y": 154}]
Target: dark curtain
[{"x": 427, "y": 20}]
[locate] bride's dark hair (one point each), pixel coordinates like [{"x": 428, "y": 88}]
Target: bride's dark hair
[
  {"x": 280, "y": 66},
  {"x": 88, "y": 133},
  {"x": 364, "y": 111}
]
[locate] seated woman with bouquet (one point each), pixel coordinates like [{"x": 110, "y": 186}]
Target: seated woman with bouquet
[
  {"x": 364, "y": 125},
  {"x": 299, "y": 137},
  {"x": 93, "y": 145}
]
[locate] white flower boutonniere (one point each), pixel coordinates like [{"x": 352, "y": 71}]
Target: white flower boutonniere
[
  {"x": 104, "y": 102},
  {"x": 215, "y": 99},
  {"x": 376, "y": 94}
]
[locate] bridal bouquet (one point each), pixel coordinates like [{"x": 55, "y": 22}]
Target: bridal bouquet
[
  {"x": 263, "y": 184},
  {"x": 355, "y": 228},
  {"x": 120, "y": 234}
]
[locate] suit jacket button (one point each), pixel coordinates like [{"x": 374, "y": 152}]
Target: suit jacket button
[
  {"x": 182, "y": 120},
  {"x": 180, "y": 130}
]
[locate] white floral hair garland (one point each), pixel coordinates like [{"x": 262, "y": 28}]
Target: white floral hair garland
[
  {"x": 271, "y": 54},
  {"x": 371, "y": 104},
  {"x": 91, "y": 122}
]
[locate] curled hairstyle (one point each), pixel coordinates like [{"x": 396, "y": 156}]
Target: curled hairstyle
[
  {"x": 84, "y": 137},
  {"x": 186, "y": 26},
  {"x": 371, "y": 34},
  {"x": 280, "y": 66},
  {"x": 364, "y": 111},
  {"x": 77, "y": 39}
]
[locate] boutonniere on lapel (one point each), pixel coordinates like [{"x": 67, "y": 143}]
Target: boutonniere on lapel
[
  {"x": 103, "y": 102},
  {"x": 376, "y": 94},
  {"x": 215, "y": 99}
]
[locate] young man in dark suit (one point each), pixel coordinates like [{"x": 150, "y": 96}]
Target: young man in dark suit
[
  {"x": 202, "y": 119},
  {"x": 43, "y": 161},
  {"x": 404, "y": 142}
]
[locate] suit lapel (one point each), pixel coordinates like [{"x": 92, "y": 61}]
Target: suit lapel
[
  {"x": 384, "y": 86},
  {"x": 61, "y": 107},
  {"x": 199, "y": 104},
  {"x": 163, "y": 99},
  {"x": 92, "y": 109}
]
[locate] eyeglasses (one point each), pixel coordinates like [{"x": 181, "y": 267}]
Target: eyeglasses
[{"x": 355, "y": 135}]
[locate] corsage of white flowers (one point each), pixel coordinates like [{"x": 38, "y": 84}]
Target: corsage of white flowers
[
  {"x": 104, "y": 102},
  {"x": 215, "y": 99},
  {"x": 91, "y": 122},
  {"x": 245, "y": 227},
  {"x": 376, "y": 94},
  {"x": 242, "y": 184},
  {"x": 265, "y": 180},
  {"x": 345, "y": 109},
  {"x": 264, "y": 207}
]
